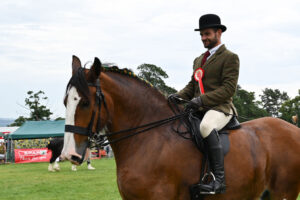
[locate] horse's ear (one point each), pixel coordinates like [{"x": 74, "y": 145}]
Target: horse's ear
[
  {"x": 95, "y": 70},
  {"x": 76, "y": 64}
]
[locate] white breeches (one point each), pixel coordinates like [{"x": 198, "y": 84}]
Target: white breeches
[{"x": 213, "y": 120}]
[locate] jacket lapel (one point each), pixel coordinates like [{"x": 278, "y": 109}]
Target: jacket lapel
[{"x": 213, "y": 57}]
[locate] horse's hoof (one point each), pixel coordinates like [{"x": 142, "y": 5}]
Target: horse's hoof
[
  {"x": 91, "y": 168},
  {"x": 74, "y": 169},
  {"x": 50, "y": 169}
]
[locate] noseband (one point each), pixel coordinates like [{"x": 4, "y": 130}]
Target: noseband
[{"x": 88, "y": 131}]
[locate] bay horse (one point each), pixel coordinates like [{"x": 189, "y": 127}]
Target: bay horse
[
  {"x": 55, "y": 145},
  {"x": 159, "y": 164}
]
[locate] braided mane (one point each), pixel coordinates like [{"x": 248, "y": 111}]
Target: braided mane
[{"x": 129, "y": 73}]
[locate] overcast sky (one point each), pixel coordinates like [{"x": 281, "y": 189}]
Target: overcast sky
[{"x": 38, "y": 39}]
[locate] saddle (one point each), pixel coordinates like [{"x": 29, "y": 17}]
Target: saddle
[{"x": 194, "y": 120}]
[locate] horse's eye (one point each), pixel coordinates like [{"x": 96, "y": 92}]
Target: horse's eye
[
  {"x": 84, "y": 103},
  {"x": 75, "y": 98}
]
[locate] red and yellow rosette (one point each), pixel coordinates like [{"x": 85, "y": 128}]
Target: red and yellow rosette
[{"x": 198, "y": 75}]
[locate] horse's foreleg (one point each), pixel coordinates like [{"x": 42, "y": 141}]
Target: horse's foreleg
[
  {"x": 50, "y": 168},
  {"x": 56, "y": 166}
]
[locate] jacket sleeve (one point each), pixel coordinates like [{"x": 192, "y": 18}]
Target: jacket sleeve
[
  {"x": 228, "y": 86},
  {"x": 187, "y": 92}
]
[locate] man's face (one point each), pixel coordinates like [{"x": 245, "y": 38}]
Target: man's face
[{"x": 210, "y": 37}]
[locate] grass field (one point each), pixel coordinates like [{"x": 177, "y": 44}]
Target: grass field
[{"x": 32, "y": 181}]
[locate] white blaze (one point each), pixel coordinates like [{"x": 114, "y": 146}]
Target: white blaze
[{"x": 72, "y": 103}]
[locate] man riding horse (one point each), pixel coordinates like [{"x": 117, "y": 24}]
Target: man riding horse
[{"x": 211, "y": 88}]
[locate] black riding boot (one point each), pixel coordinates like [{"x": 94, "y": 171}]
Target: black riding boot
[{"x": 216, "y": 160}]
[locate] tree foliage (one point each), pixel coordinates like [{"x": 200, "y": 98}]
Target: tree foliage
[
  {"x": 290, "y": 108},
  {"x": 272, "y": 101},
  {"x": 19, "y": 121},
  {"x": 38, "y": 111},
  {"x": 155, "y": 76},
  {"x": 246, "y": 105}
]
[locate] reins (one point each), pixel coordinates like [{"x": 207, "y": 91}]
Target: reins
[
  {"x": 147, "y": 127},
  {"x": 207, "y": 107}
]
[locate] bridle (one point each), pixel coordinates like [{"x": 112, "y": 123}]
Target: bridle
[
  {"x": 88, "y": 131},
  {"x": 100, "y": 139}
]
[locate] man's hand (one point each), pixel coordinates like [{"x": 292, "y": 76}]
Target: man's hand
[
  {"x": 195, "y": 102},
  {"x": 175, "y": 98}
]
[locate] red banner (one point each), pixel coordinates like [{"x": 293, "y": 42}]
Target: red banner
[{"x": 32, "y": 155}]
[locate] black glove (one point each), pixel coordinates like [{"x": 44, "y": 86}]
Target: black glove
[
  {"x": 195, "y": 103},
  {"x": 174, "y": 98}
]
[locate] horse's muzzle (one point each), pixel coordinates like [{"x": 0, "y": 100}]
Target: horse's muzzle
[{"x": 77, "y": 158}]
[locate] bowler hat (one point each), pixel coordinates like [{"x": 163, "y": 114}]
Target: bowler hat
[{"x": 210, "y": 21}]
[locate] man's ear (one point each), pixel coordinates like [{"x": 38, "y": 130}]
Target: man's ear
[
  {"x": 76, "y": 64},
  {"x": 219, "y": 31},
  {"x": 95, "y": 70}
]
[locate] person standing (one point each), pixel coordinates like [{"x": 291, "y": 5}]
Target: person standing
[
  {"x": 212, "y": 86},
  {"x": 2, "y": 152}
]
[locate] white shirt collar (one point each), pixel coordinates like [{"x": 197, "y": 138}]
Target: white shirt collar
[{"x": 213, "y": 50}]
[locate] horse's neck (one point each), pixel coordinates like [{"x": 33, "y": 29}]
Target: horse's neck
[
  {"x": 135, "y": 102},
  {"x": 134, "y": 105}
]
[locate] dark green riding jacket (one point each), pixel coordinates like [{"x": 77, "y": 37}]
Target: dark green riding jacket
[{"x": 221, "y": 72}]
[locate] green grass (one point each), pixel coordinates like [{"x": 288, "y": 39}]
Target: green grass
[{"x": 32, "y": 181}]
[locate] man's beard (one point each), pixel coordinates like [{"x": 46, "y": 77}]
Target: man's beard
[{"x": 211, "y": 43}]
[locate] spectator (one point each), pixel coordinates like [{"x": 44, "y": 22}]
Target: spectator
[{"x": 2, "y": 152}]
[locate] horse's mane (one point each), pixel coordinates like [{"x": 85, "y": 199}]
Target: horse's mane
[{"x": 130, "y": 73}]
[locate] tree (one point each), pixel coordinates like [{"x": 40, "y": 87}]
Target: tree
[
  {"x": 290, "y": 108},
  {"x": 155, "y": 76},
  {"x": 272, "y": 101},
  {"x": 38, "y": 111},
  {"x": 59, "y": 118},
  {"x": 246, "y": 105},
  {"x": 19, "y": 121}
]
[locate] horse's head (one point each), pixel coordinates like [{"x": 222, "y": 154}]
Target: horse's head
[{"x": 83, "y": 101}]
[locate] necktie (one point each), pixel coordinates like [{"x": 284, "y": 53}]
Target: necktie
[{"x": 205, "y": 58}]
